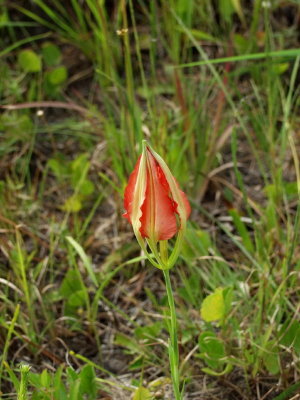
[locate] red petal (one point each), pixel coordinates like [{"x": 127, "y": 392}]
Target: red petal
[
  {"x": 158, "y": 204},
  {"x": 186, "y": 204},
  {"x": 129, "y": 191}
]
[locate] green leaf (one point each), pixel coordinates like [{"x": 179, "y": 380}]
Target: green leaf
[
  {"x": 70, "y": 284},
  {"x": 289, "y": 189},
  {"x": 86, "y": 188},
  {"x": 137, "y": 363},
  {"x": 35, "y": 379},
  {"x": 73, "y": 204},
  {"x": 242, "y": 229},
  {"x": 60, "y": 390},
  {"x": 212, "y": 346},
  {"x": 271, "y": 358},
  {"x": 212, "y": 350},
  {"x": 29, "y": 61},
  {"x": 17, "y": 127},
  {"x": 12, "y": 375},
  {"x": 75, "y": 391},
  {"x": 149, "y": 331},
  {"x": 88, "y": 382},
  {"x": 45, "y": 378},
  {"x": 285, "y": 395},
  {"x": 200, "y": 35},
  {"x": 289, "y": 53},
  {"x": 240, "y": 43},
  {"x": 84, "y": 258},
  {"x": 51, "y": 54},
  {"x": 72, "y": 375},
  {"x": 141, "y": 393},
  {"x": 79, "y": 168},
  {"x": 227, "y": 296},
  {"x": 59, "y": 166},
  {"x": 226, "y": 9},
  {"x": 213, "y": 306},
  {"x": 77, "y": 299},
  {"x": 290, "y": 335},
  {"x": 280, "y": 69},
  {"x": 57, "y": 76}
]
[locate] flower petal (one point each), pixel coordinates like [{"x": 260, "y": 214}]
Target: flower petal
[
  {"x": 158, "y": 220},
  {"x": 183, "y": 208},
  {"x": 130, "y": 191},
  {"x": 185, "y": 201}
]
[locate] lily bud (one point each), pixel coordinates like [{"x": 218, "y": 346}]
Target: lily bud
[{"x": 154, "y": 203}]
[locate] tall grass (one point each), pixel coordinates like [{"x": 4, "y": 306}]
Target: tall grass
[{"x": 214, "y": 88}]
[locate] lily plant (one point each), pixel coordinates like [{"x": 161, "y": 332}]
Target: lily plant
[{"x": 158, "y": 210}]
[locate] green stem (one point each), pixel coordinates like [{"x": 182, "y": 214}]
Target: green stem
[
  {"x": 173, "y": 342},
  {"x": 22, "y": 393}
]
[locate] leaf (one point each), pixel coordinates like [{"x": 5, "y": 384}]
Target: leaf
[
  {"x": 226, "y": 9},
  {"x": 289, "y": 189},
  {"x": 73, "y": 204},
  {"x": 12, "y": 375},
  {"x": 227, "y": 296},
  {"x": 77, "y": 299},
  {"x": 75, "y": 390},
  {"x": 141, "y": 393},
  {"x": 57, "y": 76},
  {"x": 213, "y": 306},
  {"x": 59, "y": 166},
  {"x": 45, "y": 378},
  {"x": 51, "y": 54},
  {"x": 280, "y": 69},
  {"x": 241, "y": 44},
  {"x": 242, "y": 229},
  {"x": 137, "y": 363},
  {"x": 86, "y": 188},
  {"x": 60, "y": 390},
  {"x": 212, "y": 350},
  {"x": 149, "y": 331},
  {"x": 79, "y": 167},
  {"x": 17, "y": 127},
  {"x": 211, "y": 345},
  {"x": 290, "y": 335},
  {"x": 201, "y": 35},
  {"x": 84, "y": 258},
  {"x": 289, "y": 53},
  {"x": 70, "y": 284},
  {"x": 88, "y": 382},
  {"x": 285, "y": 395},
  {"x": 271, "y": 358},
  {"x": 29, "y": 61},
  {"x": 35, "y": 379},
  {"x": 71, "y": 375}
]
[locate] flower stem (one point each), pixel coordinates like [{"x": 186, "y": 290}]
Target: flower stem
[{"x": 173, "y": 342}]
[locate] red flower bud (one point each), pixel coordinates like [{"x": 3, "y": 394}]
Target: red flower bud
[{"x": 154, "y": 203}]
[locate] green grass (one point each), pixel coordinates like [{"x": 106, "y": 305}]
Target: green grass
[{"x": 214, "y": 88}]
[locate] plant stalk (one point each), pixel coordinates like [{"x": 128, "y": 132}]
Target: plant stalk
[{"x": 173, "y": 342}]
